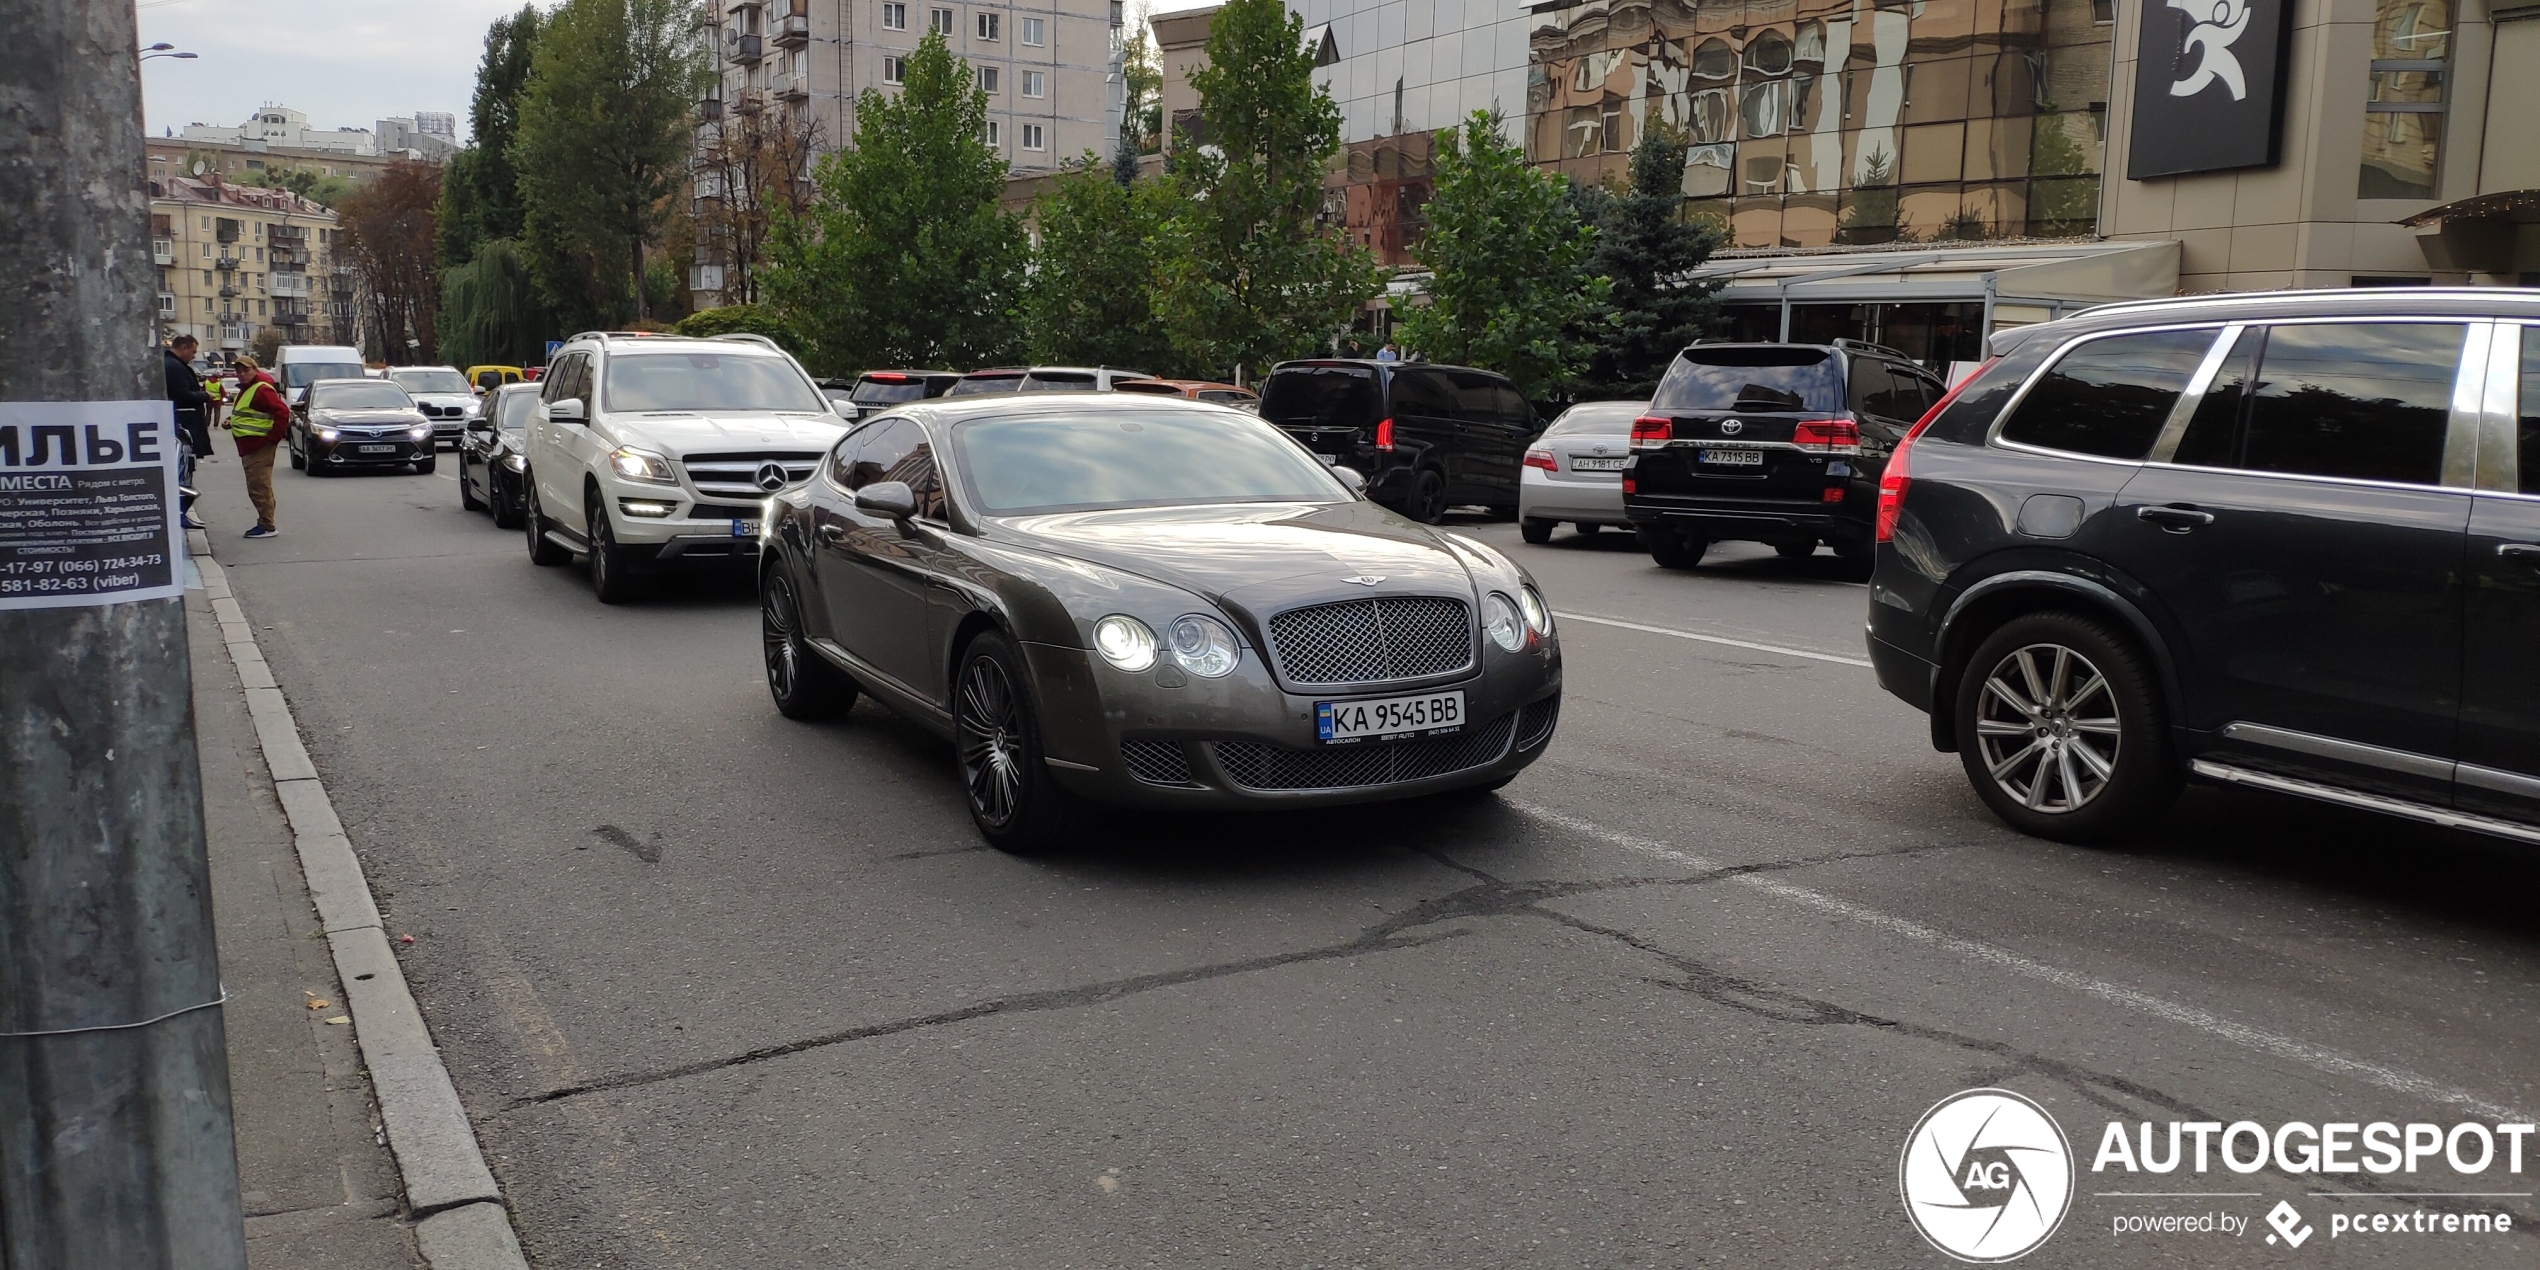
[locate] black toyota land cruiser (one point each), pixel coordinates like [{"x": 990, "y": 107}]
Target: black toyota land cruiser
[
  {"x": 1776, "y": 443},
  {"x": 2286, "y": 541}
]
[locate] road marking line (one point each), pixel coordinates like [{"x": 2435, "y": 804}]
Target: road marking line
[
  {"x": 2259, "y": 1039},
  {"x": 1783, "y": 650}
]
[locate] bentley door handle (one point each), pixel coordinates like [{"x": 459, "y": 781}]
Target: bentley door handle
[
  {"x": 2176, "y": 520},
  {"x": 2524, "y": 551}
]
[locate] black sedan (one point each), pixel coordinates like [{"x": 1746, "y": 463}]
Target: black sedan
[
  {"x": 1150, "y": 602},
  {"x": 493, "y": 455},
  {"x": 350, "y": 423}
]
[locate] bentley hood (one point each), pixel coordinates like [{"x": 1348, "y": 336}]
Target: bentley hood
[{"x": 1260, "y": 556}]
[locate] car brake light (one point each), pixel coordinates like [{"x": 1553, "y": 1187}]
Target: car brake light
[
  {"x": 887, "y": 377},
  {"x": 1384, "y": 435},
  {"x": 1835, "y": 436},
  {"x": 1835, "y": 495},
  {"x": 1653, "y": 430},
  {"x": 1898, "y": 476},
  {"x": 1631, "y": 484},
  {"x": 1541, "y": 459}
]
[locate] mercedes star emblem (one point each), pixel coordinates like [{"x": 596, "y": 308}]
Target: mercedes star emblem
[{"x": 771, "y": 477}]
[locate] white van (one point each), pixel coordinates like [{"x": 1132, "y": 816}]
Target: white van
[{"x": 296, "y": 366}]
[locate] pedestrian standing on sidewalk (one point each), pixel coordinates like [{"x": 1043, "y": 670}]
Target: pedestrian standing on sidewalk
[
  {"x": 193, "y": 411},
  {"x": 256, "y": 424}
]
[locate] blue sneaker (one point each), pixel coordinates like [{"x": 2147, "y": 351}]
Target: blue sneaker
[{"x": 261, "y": 531}]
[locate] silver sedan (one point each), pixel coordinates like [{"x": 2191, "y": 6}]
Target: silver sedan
[{"x": 1574, "y": 471}]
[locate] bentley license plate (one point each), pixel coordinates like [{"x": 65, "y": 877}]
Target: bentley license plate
[
  {"x": 1596, "y": 465},
  {"x": 1420, "y": 714},
  {"x": 1733, "y": 458}
]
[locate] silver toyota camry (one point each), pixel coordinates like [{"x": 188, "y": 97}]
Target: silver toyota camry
[{"x": 1151, "y": 602}]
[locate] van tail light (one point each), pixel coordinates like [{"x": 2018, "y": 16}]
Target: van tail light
[
  {"x": 1898, "y": 476},
  {"x": 1384, "y": 435},
  {"x": 1834, "y": 436},
  {"x": 1652, "y": 430},
  {"x": 1541, "y": 459}
]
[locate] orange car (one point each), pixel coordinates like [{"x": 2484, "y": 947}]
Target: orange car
[{"x": 1197, "y": 390}]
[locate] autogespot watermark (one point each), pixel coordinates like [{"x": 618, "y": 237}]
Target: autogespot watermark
[{"x": 1988, "y": 1175}]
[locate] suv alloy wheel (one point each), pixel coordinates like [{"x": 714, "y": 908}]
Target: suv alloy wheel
[
  {"x": 613, "y": 577},
  {"x": 542, "y": 549},
  {"x": 1673, "y": 550},
  {"x": 2061, "y": 730}
]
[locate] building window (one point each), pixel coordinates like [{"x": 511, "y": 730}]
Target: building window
[
  {"x": 894, "y": 17},
  {"x": 993, "y": 134},
  {"x": 894, "y": 69},
  {"x": 990, "y": 24},
  {"x": 2403, "y": 104},
  {"x": 1034, "y": 138},
  {"x": 988, "y": 79},
  {"x": 1032, "y": 31},
  {"x": 1035, "y": 84},
  {"x": 940, "y": 22}
]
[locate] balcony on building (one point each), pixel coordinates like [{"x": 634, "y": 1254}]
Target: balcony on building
[
  {"x": 225, "y": 262},
  {"x": 749, "y": 101},
  {"x": 741, "y": 48},
  {"x": 710, "y": 110},
  {"x": 792, "y": 87},
  {"x": 162, "y": 251},
  {"x": 226, "y": 230},
  {"x": 793, "y": 27}
]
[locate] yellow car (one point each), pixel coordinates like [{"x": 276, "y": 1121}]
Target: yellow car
[{"x": 476, "y": 376}]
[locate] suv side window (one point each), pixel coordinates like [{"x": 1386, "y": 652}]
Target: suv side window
[
  {"x": 1869, "y": 390},
  {"x": 2109, "y": 397},
  {"x": 2528, "y": 453},
  {"x": 2369, "y": 401},
  {"x": 560, "y": 378},
  {"x": 1513, "y": 409}
]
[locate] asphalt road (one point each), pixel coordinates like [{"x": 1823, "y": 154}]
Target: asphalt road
[{"x": 723, "y": 990}]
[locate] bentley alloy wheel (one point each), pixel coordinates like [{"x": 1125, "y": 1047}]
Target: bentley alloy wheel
[{"x": 997, "y": 739}]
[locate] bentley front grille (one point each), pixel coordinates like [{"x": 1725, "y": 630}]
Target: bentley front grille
[
  {"x": 1257, "y": 765},
  {"x": 1157, "y": 762},
  {"x": 1373, "y": 641}
]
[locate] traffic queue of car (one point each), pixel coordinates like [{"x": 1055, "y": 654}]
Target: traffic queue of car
[{"x": 2147, "y": 545}]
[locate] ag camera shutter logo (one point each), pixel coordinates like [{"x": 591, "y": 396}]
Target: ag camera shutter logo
[{"x": 1986, "y": 1175}]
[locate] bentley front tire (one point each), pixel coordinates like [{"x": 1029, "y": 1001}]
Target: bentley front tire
[
  {"x": 1018, "y": 806},
  {"x": 803, "y": 682}
]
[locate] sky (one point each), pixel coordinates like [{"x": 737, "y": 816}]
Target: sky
[{"x": 343, "y": 63}]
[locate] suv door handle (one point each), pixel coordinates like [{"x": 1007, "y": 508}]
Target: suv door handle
[
  {"x": 2174, "y": 519},
  {"x": 833, "y": 532},
  {"x": 2526, "y": 551}
]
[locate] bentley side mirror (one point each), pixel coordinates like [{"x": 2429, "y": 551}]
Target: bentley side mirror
[
  {"x": 566, "y": 410},
  {"x": 892, "y": 500},
  {"x": 1351, "y": 477}
]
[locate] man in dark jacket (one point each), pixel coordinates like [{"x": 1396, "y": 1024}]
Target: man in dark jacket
[{"x": 193, "y": 409}]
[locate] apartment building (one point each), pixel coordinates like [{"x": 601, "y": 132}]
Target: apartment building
[
  {"x": 1050, "y": 69},
  {"x": 236, "y": 260}
]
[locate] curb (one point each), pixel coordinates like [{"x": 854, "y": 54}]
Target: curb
[{"x": 460, "y": 1221}]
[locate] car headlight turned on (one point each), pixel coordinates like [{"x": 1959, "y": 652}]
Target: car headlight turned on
[
  {"x": 642, "y": 465},
  {"x": 327, "y": 434},
  {"x": 1501, "y": 622},
  {"x": 419, "y": 431},
  {"x": 1125, "y": 642},
  {"x": 1205, "y": 647},
  {"x": 515, "y": 463},
  {"x": 1538, "y": 613}
]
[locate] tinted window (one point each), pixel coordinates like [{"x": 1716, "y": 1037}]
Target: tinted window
[
  {"x": 2529, "y": 449},
  {"x": 1327, "y": 396},
  {"x": 708, "y": 381},
  {"x": 875, "y": 392},
  {"x": 1513, "y": 408},
  {"x": 1058, "y": 381},
  {"x": 2213, "y": 433},
  {"x": 1601, "y": 418},
  {"x": 2110, "y": 396},
  {"x": 1750, "y": 377},
  {"x": 443, "y": 381},
  {"x": 1869, "y": 386},
  {"x": 1226, "y": 396},
  {"x": 1148, "y": 458},
  {"x": 976, "y": 385},
  {"x": 891, "y": 450},
  {"x": 1422, "y": 394},
  {"x": 564, "y": 380},
  {"x": 2367, "y": 401},
  {"x": 364, "y": 394}
]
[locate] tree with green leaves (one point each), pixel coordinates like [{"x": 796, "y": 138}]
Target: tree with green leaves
[
  {"x": 1503, "y": 251},
  {"x": 491, "y": 310},
  {"x": 1090, "y": 299},
  {"x": 1648, "y": 251},
  {"x": 603, "y": 144},
  {"x": 1248, "y": 275},
  {"x": 904, "y": 257},
  {"x": 1142, "y": 90},
  {"x": 480, "y": 193}
]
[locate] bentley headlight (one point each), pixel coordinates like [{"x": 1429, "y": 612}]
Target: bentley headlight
[
  {"x": 1125, "y": 642},
  {"x": 1501, "y": 623},
  {"x": 1538, "y": 613},
  {"x": 1205, "y": 647},
  {"x": 642, "y": 465}
]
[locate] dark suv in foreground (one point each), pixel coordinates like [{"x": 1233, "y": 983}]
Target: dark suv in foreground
[
  {"x": 1426, "y": 437},
  {"x": 1776, "y": 443},
  {"x": 2288, "y": 541}
]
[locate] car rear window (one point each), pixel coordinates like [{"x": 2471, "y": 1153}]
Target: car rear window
[
  {"x": 877, "y": 392},
  {"x": 1761, "y": 378},
  {"x": 980, "y": 385},
  {"x": 1153, "y": 387},
  {"x": 1323, "y": 396},
  {"x": 1597, "y": 418},
  {"x": 1058, "y": 381},
  {"x": 2109, "y": 397}
]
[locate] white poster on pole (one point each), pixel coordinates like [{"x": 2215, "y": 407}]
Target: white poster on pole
[{"x": 88, "y": 505}]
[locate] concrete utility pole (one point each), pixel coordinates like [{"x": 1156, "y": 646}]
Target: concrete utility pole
[{"x": 115, "y": 1149}]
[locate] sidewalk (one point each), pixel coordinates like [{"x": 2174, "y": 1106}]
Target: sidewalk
[{"x": 319, "y": 1186}]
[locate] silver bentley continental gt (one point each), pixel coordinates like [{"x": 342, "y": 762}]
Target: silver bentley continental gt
[{"x": 1150, "y": 602}]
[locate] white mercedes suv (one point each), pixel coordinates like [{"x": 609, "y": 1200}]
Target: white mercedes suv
[{"x": 652, "y": 450}]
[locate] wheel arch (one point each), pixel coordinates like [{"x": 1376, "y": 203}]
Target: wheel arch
[{"x": 1986, "y": 606}]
